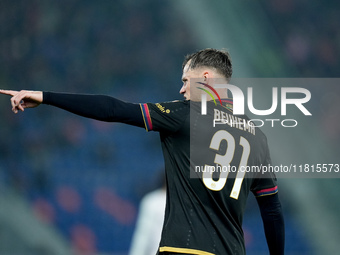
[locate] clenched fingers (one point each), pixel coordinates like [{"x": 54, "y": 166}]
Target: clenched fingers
[{"x": 17, "y": 100}]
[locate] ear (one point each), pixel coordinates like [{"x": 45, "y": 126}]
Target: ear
[{"x": 207, "y": 75}]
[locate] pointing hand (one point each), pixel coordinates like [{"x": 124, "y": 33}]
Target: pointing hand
[{"x": 23, "y": 99}]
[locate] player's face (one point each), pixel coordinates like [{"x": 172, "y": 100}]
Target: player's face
[{"x": 187, "y": 75}]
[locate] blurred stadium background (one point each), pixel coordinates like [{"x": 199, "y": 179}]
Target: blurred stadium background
[{"x": 70, "y": 185}]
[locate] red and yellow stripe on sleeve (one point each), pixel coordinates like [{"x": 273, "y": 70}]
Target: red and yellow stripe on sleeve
[
  {"x": 146, "y": 116},
  {"x": 266, "y": 192}
]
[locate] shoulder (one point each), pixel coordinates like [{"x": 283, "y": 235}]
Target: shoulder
[
  {"x": 177, "y": 104},
  {"x": 165, "y": 116},
  {"x": 170, "y": 107}
]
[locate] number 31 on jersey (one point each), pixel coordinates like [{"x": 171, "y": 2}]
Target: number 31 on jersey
[{"x": 225, "y": 160}]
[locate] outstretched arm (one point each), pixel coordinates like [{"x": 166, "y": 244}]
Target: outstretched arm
[
  {"x": 273, "y": 223},
  {"x": 97, "y": 107}
]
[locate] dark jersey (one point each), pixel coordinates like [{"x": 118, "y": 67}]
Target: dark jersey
[{"x": 205, "y": 208}]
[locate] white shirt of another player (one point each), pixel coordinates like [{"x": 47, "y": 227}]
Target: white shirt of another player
[{"x": 146, "y": 237}]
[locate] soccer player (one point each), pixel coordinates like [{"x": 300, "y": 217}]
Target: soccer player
[{"x": 204, "y": 209}]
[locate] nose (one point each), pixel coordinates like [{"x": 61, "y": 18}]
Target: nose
[{"x": 182, "y": 90}]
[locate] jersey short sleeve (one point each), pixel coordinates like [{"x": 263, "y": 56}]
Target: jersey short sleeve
[
  {"x": 167, "y": 116},
  {"x": 265, "y": 182}
]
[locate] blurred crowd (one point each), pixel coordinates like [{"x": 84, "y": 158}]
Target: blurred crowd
[
  {"x": 309, "y": 33},
  {"x": 309, "y": 36},
  {"x": 71, "y": 168}
]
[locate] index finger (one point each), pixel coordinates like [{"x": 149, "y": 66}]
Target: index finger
[{"x": 8, "y": 92}]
